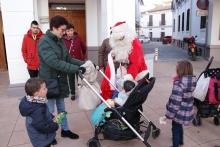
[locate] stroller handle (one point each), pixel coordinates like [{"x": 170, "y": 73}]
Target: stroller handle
[
  {"x": 210, "y": 62},
  {"x": 80, "y": 74},
  {"x": 108, "y": 79}
]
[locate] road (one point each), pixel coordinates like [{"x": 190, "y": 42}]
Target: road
[{"x": 167, "y": 52}]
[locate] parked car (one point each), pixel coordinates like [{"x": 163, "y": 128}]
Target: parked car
[
  {"x": 144, "y": 39},
  {"x": 167, "y": 38}
]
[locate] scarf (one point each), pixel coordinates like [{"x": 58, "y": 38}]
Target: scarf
[{"x": 36, "y": 99}]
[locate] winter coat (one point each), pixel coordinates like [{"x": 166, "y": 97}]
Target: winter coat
[
  {"x": 75, "y": 46},
  {"x": 104, "y": 50},
  {"x": 40, "y": 126},
  {"x": 180, "y": 104},
  {"x": 29, "y": 50},
  {"x": 55, "y": 61},
  {"x": 122, "y": 97}
]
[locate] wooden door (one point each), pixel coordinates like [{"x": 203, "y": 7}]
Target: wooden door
[
  {"x": 76, "y": 17},
  {"x": 3, "y": 63}
]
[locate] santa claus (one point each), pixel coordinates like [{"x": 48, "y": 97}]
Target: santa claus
[{"x": 126, "y": 49}]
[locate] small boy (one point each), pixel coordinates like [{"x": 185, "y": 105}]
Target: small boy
[
  {"x": 124, "y": 94},
  {"x": 39, "y": 121}
]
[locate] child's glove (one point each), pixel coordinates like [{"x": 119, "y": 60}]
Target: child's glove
[{"x": 164, "y": 120}]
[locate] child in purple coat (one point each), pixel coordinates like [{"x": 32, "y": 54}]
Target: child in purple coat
[{"x": 180, "y": 104}]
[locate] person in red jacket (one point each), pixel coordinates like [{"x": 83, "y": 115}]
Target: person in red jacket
[
  {"x": 77, "y": 50},
  {"x": 29, "y": 49}
]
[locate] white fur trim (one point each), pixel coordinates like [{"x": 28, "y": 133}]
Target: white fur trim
[
  {"x": 130, "y": 78},
  {"x": 112, "y": 71},
  {"x": 120, "y": 28},
  {"x": 127, "y": 77},
  {"x": 141, "y": 75}
]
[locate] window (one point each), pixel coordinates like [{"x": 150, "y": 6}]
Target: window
[
  {"x": 162, "y": 19},
  {"x": 178, "y": 23},
  {"x": 183, "y": 21},
  {"x": 187, "y": 20},
  {"x": 173, "y": 25},
  {"x": 203, "y": 22},
  {"x": 150, "y": 20}
]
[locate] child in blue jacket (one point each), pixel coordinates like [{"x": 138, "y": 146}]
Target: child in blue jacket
[{"x": 39, "y": 121}]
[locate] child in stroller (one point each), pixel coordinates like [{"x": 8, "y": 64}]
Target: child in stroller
[
  {"x": 124, "y": 122},
  {"x": 122, "y": 97}
]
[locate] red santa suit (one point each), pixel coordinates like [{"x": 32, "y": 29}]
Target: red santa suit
[{"x": 126, "y": 48}]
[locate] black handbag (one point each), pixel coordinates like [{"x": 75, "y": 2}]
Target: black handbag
[{"x": 53, "y": 88}]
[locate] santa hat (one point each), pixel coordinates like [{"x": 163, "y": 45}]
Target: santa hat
[{"x": 120, "y": 27}]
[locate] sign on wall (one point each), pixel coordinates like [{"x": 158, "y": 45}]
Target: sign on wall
[
  {"x": 202, "y": 4},
  {"x": 202, "y": 13}
]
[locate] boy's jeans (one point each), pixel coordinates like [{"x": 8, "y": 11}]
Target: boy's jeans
[
  {"x": 60, "y": 108},
  {"x": 177, "y": 133}
]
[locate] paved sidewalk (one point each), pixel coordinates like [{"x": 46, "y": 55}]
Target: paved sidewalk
[{"x": 13, "y": 132}]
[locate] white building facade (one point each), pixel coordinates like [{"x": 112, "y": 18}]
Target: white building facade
[
  {"x": 157, "y": 23},
  {"x": 17, "y": 16},
  {"x": 189, "y": 20}
]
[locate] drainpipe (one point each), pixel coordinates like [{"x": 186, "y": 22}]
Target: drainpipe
[{"x": 190, "y": 18}]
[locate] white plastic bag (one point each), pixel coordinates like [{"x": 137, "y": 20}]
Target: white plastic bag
[
  {"x": 201, "y": 88},
  {"x": 88, "y": 100}
]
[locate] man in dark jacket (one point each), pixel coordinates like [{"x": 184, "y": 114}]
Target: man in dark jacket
[
  {"x": 77, "y": 50},
  {"x": 29, "y": 49},
  {"x": 56, "y": 62}
]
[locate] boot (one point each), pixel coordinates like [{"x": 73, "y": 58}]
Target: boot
[{"x": 69, "y": 134}]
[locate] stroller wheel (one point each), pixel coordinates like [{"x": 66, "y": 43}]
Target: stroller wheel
[
  {"x": 216, "y": 120},
  {"x": 155, "y": 133},
  {"x": 197, "y": 121},
  {"x": 93, "y": 142}
]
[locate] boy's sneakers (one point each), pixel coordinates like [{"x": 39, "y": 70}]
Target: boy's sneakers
[
  {"x": 54, "y": 142},
  {"x": 69, "y": 134}
]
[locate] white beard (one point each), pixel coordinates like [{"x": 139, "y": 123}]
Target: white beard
[{"x": 121, "y": 49}]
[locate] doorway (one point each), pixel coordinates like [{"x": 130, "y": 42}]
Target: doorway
[
  {"x": 3, "y": 61},
  {"x": 162, "y": 34},
  {"x": 74, "y": 14}
]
